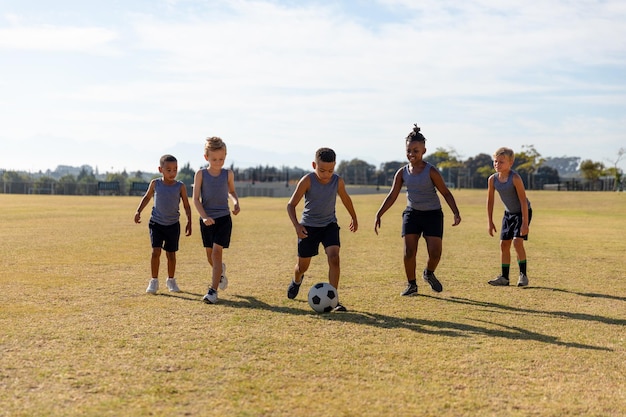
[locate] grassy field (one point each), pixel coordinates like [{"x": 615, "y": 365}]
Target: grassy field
[{"x": 80, "y": 337}]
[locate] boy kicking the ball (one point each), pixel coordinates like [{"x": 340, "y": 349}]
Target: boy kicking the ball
[
  {"x": 164, "y": 222},
  {"x": 319, "y": 222}
]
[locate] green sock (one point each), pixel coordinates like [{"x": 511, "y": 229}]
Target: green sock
[
  {"x": 522, "y": 266},
  {"x": 505, "y": 270}
]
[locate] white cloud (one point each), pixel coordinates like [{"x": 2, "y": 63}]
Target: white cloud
[{"x": 476, "y": 75}]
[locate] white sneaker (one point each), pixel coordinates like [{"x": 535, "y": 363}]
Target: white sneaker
[
  {"x": 153, "y": 286},
  {"x": 523, "y": 280},
  {"x": 171, "y": 285},
  {"x": 223, "y": 279},
  {"x": 210, "y": 297}
]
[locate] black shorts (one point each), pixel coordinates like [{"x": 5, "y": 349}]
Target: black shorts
[
  {"x": 165, "y": 237},
  {"x": 427, "y": 223},
  {"x": 218, "y": 233},
  {"x": 327, "y": 236},
  {"x": 512, "y": 225}
]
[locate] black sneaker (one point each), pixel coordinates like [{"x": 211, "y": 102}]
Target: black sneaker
[
  {"x": 410, "y": 289},
  {"x": 433, "y": 281},
  {"x": 340, "y": 307},
  {"x": 292, "y": 291}
]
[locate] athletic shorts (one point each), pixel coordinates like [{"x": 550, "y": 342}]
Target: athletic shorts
[
  {"x": 512, "y": 225},
  {"x": 165, "y": 237},
  {"x": 427, "y": 223},
  {"x": 327, "y": 236},
  {"x": 218, "y": 233}
]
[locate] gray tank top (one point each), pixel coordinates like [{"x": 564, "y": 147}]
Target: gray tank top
[
  {"x": 319, "y": 202},
  {"x": 214, "y": 194},
  {"x": 166, "y": 203},
  {"x": 421, "y": 193},
  {"x": 508, "y": 194}
]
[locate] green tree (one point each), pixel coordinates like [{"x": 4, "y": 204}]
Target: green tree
[
  {"x": 66, "y": 185},
  {"x": 356, "y": 171},
  {"x": 527, "y": 162},
  {"x": 591, "y": 171}
]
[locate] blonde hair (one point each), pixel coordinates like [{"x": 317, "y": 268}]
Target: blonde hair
[
  {"x": 508, "y": 152},
  {"x": 213, "y": 143}
]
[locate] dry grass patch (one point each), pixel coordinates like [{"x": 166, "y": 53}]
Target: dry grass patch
[{"x": 81, "y": 337}]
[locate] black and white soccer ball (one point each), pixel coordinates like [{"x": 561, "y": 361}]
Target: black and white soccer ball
[{"x": 323, "y": 297}]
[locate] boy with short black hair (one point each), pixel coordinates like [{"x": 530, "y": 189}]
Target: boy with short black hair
[
  {"x": 319, "y": 222},
  {"x": 164, "y": 222}
]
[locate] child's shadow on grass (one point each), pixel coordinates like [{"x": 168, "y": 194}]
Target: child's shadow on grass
[
  {"x": 583, "y": 294},
  {"x": 433, "y": 327}
]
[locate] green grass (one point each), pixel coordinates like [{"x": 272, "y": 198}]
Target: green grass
[{"x": 81, "y": 337}]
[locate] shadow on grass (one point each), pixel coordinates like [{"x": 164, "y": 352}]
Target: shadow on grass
[
  {"x": 583, "y": 294},
  {"x": 556, "y": 313},
  {"x": 433, "y": 327}
]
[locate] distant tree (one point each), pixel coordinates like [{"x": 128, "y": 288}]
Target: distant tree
[
  {"x": 480, "y": 168},
  {"x": 356, "y": 171},
  {"x": 66, "y": 185},
  {"x": 15, "y": 182},
  {"x": 447, "y": 161},
  {"x": 591, "y": 171},
  {"x": 387, "y": 171},
  {"x": 546, "y": 175},
  {"x": 615, "y": 171},
  {"x": 526, "y": 164},
  {"x": 186, "y": 175},
  {"x": 44, "y": 185}
]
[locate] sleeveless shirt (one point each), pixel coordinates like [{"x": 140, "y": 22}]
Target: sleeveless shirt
[
  {"x": 166, "y": 203},
  {"x": 319, "y": 202},
  {"x": 508, "y": 194},
  {"x": 421, "y": 193},
  {"x": 214, "y": 194}
]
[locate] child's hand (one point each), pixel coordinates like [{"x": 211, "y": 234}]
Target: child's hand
[
  {"x": 524, "y": 230},
  {"x": 188, "y": 229},
  {"x": 301, "y": 231},
  {"x": 137, "y": 217},
  {"x": 208, "y": 221},
  {"x": 236, "y": 209},
  {"x": 376, "y": 225},
  {"x": 492, "y": 229},
  {"x": 354, "y": 225},
  {"x": 457, "y": 219}
]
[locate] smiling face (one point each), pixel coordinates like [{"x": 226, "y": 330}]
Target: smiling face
[
  {"x": 502, "y": 163},
  {"x": 415, "y": 150}
]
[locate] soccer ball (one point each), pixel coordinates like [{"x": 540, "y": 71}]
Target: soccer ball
[{"x": 323, "y": 297}]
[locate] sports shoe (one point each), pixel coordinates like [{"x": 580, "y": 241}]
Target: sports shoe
[
  {"x": 340, "y": 307},
  {"x": 522, "y": 281},
  {"x": 223, "y": 279},
  {"x": 410, "y": 289},
  {"x": 171, "y": 285},
  {"x": 153, "y": 286},
  {"x": 292, "y": 291},
  {"x": 499, "y": 281},
  {"x": 430, "y": 278},
  {"x": 210, "y": 297}
]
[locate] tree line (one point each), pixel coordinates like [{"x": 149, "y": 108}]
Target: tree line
[{"x": 563, "y": 173}]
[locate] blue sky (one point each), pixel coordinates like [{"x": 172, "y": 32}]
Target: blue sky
[{"x": 116, "y": 84}]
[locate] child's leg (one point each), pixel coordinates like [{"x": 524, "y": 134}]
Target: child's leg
[
  {"x": 410, "y": 254},
  {"x": 505, "y": 257},
  {"x": 334, "y": 269},
  {"x": 301, "y": 267},
  {"x": 216, "y": 262},
  {"x": 171, "y": 264},
  {"x": 434, "y": 245},
  {"x": 155, "y": 262},
  {"x": 518, "y": 244}
]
